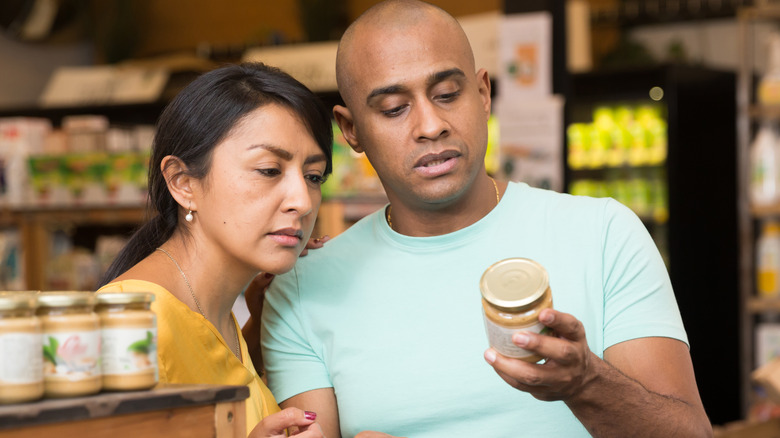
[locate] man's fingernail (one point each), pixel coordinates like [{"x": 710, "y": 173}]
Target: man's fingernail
[
  {"x": 520, "y": 339},
  {"x": 490, "y": 356},
  {"x": 546, "y": 317},
  {"x": 310, "y": 415}
]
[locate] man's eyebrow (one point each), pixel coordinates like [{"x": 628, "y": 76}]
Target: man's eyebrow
[
  {"x": 390, "y": 89},
  {"x": 444, "y": 75},
  {"x": 276, "y": 150}
]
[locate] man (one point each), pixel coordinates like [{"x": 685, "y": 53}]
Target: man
[{"x": 382, "y": 328}]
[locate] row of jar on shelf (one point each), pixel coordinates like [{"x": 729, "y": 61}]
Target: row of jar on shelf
[
  {"x": 71, "y": 344},
  {"x": 643, "y": 190},
  {"x": 86, "y": 161},
  {"x": 619, "y": 135}
]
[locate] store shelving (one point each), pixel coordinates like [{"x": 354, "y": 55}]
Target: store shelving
[
  {"x": 37, "y": 225},
  {"x": 749, "y": 114}
]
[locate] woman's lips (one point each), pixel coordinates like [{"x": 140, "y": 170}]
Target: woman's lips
[{"x": 287, "y": 237}]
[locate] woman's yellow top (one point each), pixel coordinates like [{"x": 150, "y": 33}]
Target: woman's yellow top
[{"x": 191, "y": 350}]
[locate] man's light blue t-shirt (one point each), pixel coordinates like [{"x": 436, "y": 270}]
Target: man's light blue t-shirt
[{"x": 394, "y": 323}]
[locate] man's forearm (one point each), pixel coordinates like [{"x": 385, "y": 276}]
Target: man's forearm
[{"x": 615, "y": 405}]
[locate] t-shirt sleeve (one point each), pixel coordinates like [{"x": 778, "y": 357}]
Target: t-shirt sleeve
[
  {"x": 638, "y": 296},
  {"x": 293, "y": 365}
]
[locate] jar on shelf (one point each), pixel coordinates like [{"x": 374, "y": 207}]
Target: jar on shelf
[
  {"x": 129, "y": 340},
  {"x": 514, "y": 292},
  {"x": 21, "y": 364},
  {"x": 71, "y": 344}
]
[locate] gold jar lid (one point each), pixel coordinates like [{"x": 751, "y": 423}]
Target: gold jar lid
[
  {"x": 66, "y": 298},
  {"x": 513, "y": 283},
  {"x": 14, "y": 300},
  {"x": 124, "y": 297}
]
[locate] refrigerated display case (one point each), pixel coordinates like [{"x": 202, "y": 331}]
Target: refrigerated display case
[{"x": 662, "y": 140}]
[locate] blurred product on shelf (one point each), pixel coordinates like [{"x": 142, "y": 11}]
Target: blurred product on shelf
[
  {"x": 11, "y": 266},
  {"x": 72, "y": 267},
  {"x": 643, "y": 190},
  {"x": 769, "y": 84},
  {"x": 767, "y": 343},
  {"x": 620, "y": 135},
  {"x": 765, "y": 165},
  {"x": 768, "y": 260},
  {"x": 19, "y": 138},
  {"x": 87, "y": 162}
]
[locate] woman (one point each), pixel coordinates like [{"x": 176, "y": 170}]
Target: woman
[{"x": 235, "y": 174}]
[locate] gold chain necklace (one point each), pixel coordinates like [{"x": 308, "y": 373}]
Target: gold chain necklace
[
  {"x": 237, "y": 352},
  {"x": 390, "y": 207}
]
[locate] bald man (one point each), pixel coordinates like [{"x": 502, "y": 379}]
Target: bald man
[{"x": 382, "y": 328}]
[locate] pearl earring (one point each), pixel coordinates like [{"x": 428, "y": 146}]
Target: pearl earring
[{"x": 188, "y": 217}]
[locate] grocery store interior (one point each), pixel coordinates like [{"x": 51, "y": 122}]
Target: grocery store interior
[{"x": 669, "y": 106}]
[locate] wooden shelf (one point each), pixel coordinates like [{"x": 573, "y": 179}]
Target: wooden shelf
[
  {"x": 764, "y": 112},
  {"x": 765, "y": 211},
  {"x": 763, "y": 305}
]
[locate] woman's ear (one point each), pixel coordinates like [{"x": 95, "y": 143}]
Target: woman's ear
[{"x": 180, "y": 184}]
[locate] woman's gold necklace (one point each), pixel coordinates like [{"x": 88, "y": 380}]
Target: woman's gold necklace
[
  {"x": 237, "y": 352},
  {"x": 390, "y": 207}
]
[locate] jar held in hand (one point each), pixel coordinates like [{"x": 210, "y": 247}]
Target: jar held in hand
[{"x": 514, "y": 292}]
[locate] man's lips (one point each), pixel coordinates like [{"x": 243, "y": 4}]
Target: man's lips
[
  {"x": 435, "y": 159},
  {"x": 435, "y": 165}
]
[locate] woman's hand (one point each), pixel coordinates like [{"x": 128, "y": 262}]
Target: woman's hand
[
  {"x": 276, "y": 425},
  {"x": 314, "y": 244}
]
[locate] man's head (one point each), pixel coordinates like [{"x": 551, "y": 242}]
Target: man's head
[{"x": 414, "y": 103}]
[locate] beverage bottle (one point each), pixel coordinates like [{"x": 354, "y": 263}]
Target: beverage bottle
[
  {"x": 765, "y": 166},
  {"x": 768, "y": 261},
  {"x": 769, "y": 84}
]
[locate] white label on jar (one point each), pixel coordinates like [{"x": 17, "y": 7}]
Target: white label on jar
[
  {"x": 71, "y": 355},
  {"x": 500, "y": 338},
  {"x": 128, "y": 351},
  {"x": 20, "y": 358}
]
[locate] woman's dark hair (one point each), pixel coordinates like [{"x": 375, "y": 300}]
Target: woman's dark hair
[{"x": 196, "y": 121}]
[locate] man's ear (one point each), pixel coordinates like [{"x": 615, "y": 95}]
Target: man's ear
[
  {"x": 180, "y": 184},
  {"x": 483, "y": 84},
  {"x": 344, "y": 119}
]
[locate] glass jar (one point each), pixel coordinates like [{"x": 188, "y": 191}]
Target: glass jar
[
  {"x": 129, "y": 340},
  {"x": 71, "y": 343},
  {"x": 21, "y": 364},
  {"x": 514, "y": 291}
]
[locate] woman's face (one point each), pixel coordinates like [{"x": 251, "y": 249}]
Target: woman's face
[{"x": 259, "y": 201}]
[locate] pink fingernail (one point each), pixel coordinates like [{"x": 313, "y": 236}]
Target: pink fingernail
[
  {"x": 490, "y": 356},
  {"x": 310, "y": 415}
]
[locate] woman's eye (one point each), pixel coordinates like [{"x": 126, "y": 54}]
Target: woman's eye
[
  {"x": 317, "y": 179},
  {"x": 269, "y": 172}
]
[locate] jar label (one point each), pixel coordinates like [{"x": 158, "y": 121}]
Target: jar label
[
  {"x": 129, "y": 351},
  {"x": 20, "y": 358},
  {"x": 500, "y": 338},
  {"x": 72, "y": 355}
]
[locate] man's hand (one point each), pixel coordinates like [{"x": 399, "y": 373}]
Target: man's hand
[
  {"x": 566, "y": 369},
  {"x": 643, "y": 387}
]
